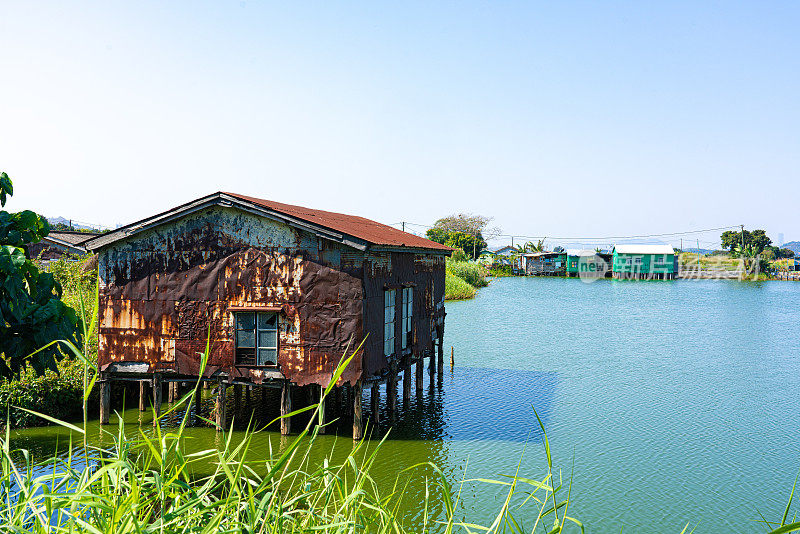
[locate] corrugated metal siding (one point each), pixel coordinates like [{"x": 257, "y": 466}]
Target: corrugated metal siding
[{"x": 161, "y": 291}]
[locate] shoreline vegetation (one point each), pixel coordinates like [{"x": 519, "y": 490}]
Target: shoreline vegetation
[{"x": 463, "y": 279}]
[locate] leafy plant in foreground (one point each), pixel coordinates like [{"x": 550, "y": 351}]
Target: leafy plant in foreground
[{"x": 31, "y": 311}]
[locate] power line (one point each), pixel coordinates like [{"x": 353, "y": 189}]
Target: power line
[{"x": 596, "y": 238}]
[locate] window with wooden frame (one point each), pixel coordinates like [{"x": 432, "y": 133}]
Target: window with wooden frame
[
  {"x": 257, "y": 338},
  {"x": 408, "y": 307},
  {"x": 389, "y": 297}
]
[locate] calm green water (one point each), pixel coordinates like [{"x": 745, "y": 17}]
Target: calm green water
[{"x": 679, "y": 401}]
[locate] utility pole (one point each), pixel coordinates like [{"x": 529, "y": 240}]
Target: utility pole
[
  {"x": 404, "y": 226},
  {"x": 742, "y": 226}
]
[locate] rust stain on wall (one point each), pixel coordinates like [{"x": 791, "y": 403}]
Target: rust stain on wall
[{"x": 163, "y": 295}]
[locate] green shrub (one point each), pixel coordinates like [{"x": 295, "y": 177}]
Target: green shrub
[
  {"x": 457, "y": 289},
  {"x": 58, "y": 395},
  {"x": 472, "y": 273}
]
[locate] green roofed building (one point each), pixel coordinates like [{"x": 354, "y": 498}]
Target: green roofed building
[
  {"x": 644, "y": 262},
  {"x": 588, "y": 263}
]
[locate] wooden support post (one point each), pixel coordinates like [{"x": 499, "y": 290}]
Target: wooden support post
[
  {"x": 172, "y": 388},
  {"x": 440, "y": 356},
  {"x": 157, "y": 391},
  {"x": 358, "y": 428},
  {"x": 321, "y": 418},
  {"x": 391, "y": 390},
  {"x": 220, "y": 408},
  {"x": 142, "y": 395},
  {"x": 375, "y": 404},
  {"x": 198, "y": 401},
  {"x": 452, "y": 357},
  {"x": 105, "y": 398},
  {"x": 419, "y": 379},
  {"x": 407, "y": 384},
  {"x": 286, "y": 407}
]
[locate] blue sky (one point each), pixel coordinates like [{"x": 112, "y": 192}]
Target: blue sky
[{"x": 558, "y": 119}]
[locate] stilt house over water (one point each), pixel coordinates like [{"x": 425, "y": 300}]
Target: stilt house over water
[
  {"x": 648, "y": 262},
  {"x": 283, "y": 290}
]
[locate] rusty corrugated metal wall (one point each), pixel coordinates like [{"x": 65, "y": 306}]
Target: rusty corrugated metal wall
[{"x": 161, "y": 291}]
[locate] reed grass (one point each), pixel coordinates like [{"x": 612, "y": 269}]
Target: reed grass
[
  {"x": 456, "y": 288},
  {"x": 472, "y": 273}
]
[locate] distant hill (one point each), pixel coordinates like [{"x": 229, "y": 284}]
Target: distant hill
[{"x": 794, "y": 246}]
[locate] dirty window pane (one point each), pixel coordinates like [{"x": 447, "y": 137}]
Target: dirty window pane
[
  {"x": 268, "y": 339},
  {"x": 267, "y": 357},
  {"x": 246, "y": 321},
  {"x": 246, "y": 338}
]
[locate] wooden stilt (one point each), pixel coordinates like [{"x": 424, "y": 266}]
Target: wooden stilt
[
  {"x": 220, "y": 408},
  {"x": 105, "y": 398},
  {"x": 171, "y": 391},
  {"x": 358, "y": 428},
  {"x": 157, "y": 392},
  {"x": 407, "y": 384},
  {"x": 440, "y": 355},
  {"x": 142, "y": 396},
  {"x": 419, "y": 376},
  {"x": 375, "y": 404},
  {"x": 391, "y": 390},
  {"x": 286, "y": 408},
  {"x": 198, "y": 402},
  {"x": 321, "y": 420},
  {"x": 452, "y": 357}
]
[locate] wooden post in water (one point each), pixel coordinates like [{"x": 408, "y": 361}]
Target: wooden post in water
[
  {"x": 321, "y": 418},
  {"x": 452, "y": 357},
  {"x": 157, "y": 392},
  {"x": 142, "y": 395},
  {"x": 220, "y": 408},
  {"x": 440, "y": 356},
  {"x": 286, "y": 407},
  {"x": 375, "y": 403},
  {"x": 172, "y": 388},
  {"x": 198, "y": 401},
  {"x": 407, "y": 384},
  {"x": 391, "y": 390},
  {"x": 105, "y": 398},
  {"x": 358, "y": 428},
  {"x": 419, "y": 376}
]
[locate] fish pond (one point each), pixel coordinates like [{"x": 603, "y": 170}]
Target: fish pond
[{"x": 665, "y": 402}]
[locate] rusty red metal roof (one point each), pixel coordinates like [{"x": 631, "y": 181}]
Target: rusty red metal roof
[{"x": 358, "y": 227}]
